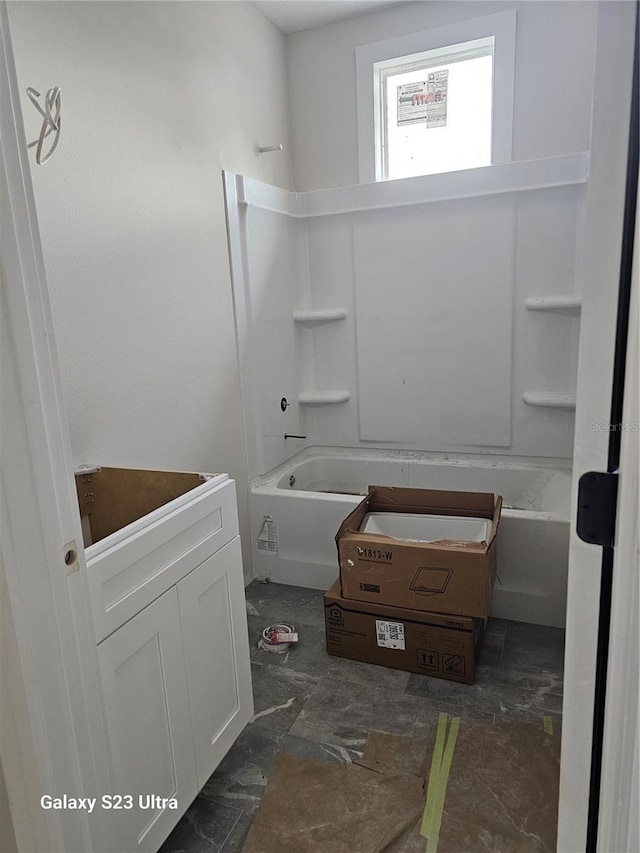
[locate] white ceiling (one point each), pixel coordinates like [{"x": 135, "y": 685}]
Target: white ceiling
[{"x": 290, "y": 16}]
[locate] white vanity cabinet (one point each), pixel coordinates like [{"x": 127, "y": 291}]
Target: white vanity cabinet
[
  {"x": 168, "y": 595},
  {"x": 148, "y": 718},
  {"x": 216, "y": 646}
]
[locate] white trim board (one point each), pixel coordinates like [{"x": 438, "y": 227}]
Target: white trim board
[
  {"x": 602, "y": 252},
  {"x": 57, "y": 708},
  {"x": 618, "y": 827}
]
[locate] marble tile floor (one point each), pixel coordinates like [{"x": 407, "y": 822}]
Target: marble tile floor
[{"x": 316, "y": 706}]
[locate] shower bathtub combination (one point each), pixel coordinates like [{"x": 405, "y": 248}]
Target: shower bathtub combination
[{"x": 297, "y": 508}]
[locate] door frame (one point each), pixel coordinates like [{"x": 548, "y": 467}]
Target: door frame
[
  {"x": 618, "y": 827},
  {"x": 52, "y": 732},
  {"x": 604, "y": 222}
]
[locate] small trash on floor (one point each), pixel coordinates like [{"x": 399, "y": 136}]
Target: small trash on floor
[
  {"x": 278, "y": 638},
  {"x": 464, "y": 787}
]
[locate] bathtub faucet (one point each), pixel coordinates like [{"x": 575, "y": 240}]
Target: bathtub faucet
[{"x": 289, "y": 435}]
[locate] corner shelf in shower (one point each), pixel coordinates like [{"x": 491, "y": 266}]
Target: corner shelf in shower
[
  {"x": 316, "y": 316},
  {"x": 323, "y": 398},
  {"x": 553, "y": 303},
  {"x": 550, "y": 399}
]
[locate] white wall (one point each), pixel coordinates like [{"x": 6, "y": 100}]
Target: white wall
[
  {"x": 553, "y": 81},
  {"x": 157, "y": 98},
  {"x": 267, "y": 251},
  {"x": 438, "y": 350}
]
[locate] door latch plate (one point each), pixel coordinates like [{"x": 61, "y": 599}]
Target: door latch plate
[{"x": 597, "y": 500}]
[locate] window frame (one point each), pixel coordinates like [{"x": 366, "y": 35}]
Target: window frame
[
  {"x": 371, "y": 132},
  {"x": 416, "y": 62}
]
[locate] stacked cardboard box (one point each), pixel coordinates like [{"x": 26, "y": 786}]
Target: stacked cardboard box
[{"x": 421, "y": 606}]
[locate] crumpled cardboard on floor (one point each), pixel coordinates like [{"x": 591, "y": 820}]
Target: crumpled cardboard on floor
[
  {"x": 317, "y": 807},
  {"x": 501, "y": 795},
  {"x": 502, "y": 792}
]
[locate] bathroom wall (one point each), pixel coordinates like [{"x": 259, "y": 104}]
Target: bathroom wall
[
  {"x": 439, "y": 343},
  {"x": 270, "y": 279},
  {"x": 555, "y": 44},
  {"x": 438, "y": 349},
  {"x": 157, "y": 98}
]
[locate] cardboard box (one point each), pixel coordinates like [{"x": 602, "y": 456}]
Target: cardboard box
[
  {"x": 445, "y": 576},
  {"x": 429, "y": 643}
]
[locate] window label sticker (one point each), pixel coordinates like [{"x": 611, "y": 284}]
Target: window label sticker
[{"x": 425, "y": 101}]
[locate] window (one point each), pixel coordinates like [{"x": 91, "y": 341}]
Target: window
[
  {"x": 435, "y": 110},
  {"x": 445, "y": 107}
]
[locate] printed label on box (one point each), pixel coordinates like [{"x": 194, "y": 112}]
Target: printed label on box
[
  {"x": 453, "y": 664},
  {"x": 429, "y": 660},
  {"x": 268, "y": 536},
  {"x": 390, "y": 635}
]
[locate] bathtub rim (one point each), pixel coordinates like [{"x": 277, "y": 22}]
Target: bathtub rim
[{"x": 268, "y": 483}]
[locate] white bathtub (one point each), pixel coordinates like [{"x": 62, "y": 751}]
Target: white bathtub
[{"x": 307, "y": 498}]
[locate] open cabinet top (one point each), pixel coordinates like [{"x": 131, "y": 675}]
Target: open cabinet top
[{"x": 112, "y": 498}]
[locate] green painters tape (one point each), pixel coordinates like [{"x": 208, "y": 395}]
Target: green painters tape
[
  {"x": 434, "y": 773},
  {"x": 441, "y": 791},
  {"x": 547, "y": 722},
  {"x": 438, "y": 781}
]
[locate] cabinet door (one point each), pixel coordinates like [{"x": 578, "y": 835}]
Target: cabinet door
[
  {"x": 214, "y": 628},
  {"x": 147, "y": 711}
]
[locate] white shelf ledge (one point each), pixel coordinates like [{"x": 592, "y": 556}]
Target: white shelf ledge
[
  {"x": 323, "y": 398},
  {"x": 519, "y": 176},
  {"x": 553, "y": 303},
  {"x": 316, "y": 316},
  {"x": 550, "y": 399}
]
